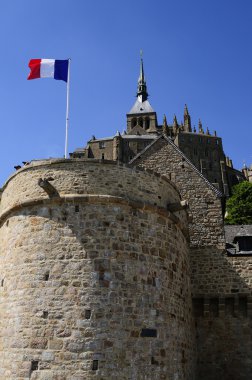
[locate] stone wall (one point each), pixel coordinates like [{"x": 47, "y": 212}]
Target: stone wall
[
  {"x": 101, "y": 149},
  {"x": 222, "y": 299},
  {"x": 205, "y": 208},
  {"x": 94, "y": 276},
  {"x": 221, "y": 284}
]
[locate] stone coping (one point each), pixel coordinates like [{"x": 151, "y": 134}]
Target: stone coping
[{"x": 70, "y": 161}]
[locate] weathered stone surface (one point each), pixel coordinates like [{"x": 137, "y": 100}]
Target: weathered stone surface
[{"x": 58, "y": 261}]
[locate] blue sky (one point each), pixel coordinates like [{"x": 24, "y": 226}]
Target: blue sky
[{"x": 197, "y": 52}]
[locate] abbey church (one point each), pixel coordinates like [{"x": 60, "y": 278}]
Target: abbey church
[
  {"x": 116, "y": 265},
  {"x": 202, "y": 148}
]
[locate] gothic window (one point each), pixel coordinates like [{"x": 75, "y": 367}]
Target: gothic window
[
  {"x": 147, "y": 123},
  {"x": 140, "y": 122},
  {"x": 133, "y": 123}
]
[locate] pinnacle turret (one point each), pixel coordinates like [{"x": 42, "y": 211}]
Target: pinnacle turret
[
  {"x": 187, "y": 120},
  {"x": 165, "y": 127},
  {"x": 175, "y": 125}
]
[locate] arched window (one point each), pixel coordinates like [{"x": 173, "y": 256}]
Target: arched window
[
  {"x": 140, "y": 121},
  {"x": 147, "y": 123},
  {"x": 133, "y": 123}
]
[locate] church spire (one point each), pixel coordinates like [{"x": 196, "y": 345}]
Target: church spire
[{"x": 142, "y": 93}]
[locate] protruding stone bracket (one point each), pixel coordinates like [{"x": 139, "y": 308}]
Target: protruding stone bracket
[
  {"x": 47, "y": 186},
  {"x": 173, "y": 207}
]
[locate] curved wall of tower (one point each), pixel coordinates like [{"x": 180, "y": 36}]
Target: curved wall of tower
[{"x": 94, "y": 275}]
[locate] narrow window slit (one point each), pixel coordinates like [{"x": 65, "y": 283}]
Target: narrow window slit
[
  {"x": 77, "y": 208},
  {"x": 148, "y": 333},
  {"x": 45, "y": 314},
  {"x": 95, "y": 365},
  {"x": 34, "y": 366},
  {"x": 87, "y": 314},
  {"x": 46, "y": 276}
]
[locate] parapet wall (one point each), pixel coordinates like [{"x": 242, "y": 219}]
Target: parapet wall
[
  {"x": 78, "y": 177},
  {"x": 94, "y": 275}
]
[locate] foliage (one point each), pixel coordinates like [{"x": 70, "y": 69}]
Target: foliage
[{"x": 239, "y": 205}]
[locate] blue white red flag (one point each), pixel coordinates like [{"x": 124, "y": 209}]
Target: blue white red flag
[{"x": 49, "y": 68}]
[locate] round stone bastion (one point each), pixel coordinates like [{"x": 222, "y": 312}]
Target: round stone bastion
[{"x": 94, "y": 274}]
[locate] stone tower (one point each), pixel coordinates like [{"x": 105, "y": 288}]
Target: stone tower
[
  {"x": 94, "y": 274},
  {"x": 141, "y": 118}
]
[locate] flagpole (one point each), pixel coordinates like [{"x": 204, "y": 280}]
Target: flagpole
[{"x": 67, "y": 107}]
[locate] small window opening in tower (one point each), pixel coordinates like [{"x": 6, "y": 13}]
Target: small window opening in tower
[
  {"x": 34, "y": 366},
  {"x": 45, "y": 314},
  {"x": 77, "y": 208},
  {"x": 147, "y": 123},
  {"x": 102, "y": 156},
  {"x": 2, "y": 282},
  {"x": 95, "y": 365},
  {"x": 46, "y": 276},
  {"x": 88, "y": 314},
  {"x": 140, "y": 122}
]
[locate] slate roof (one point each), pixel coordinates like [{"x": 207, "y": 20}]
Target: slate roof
[
  {"x": 233, "y": 231},
  {"x": 141, "y": 107}
]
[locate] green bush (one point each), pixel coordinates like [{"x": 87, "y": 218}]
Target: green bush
[{"x": 239, "y": 205}]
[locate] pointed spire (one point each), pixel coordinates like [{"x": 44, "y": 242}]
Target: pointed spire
[
  {"x": 165, "y": 126},
  {"x": 187, "y": 120},
  {"x": 207, "y": 132},
  {"x": 200, "y": 127},
  {"x": 175, "y": 125},
  {"x": 142, "y": 93}
]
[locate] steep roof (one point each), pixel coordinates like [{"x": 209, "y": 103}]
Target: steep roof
[
  {"x": 169, "y": 141},
  {"x": 141, "y": 107}
]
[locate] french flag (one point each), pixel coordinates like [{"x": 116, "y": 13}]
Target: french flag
[{"x": 49, "y": 68}]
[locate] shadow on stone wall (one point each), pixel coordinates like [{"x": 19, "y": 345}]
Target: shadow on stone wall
[{"x": 222, "y": 303}]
